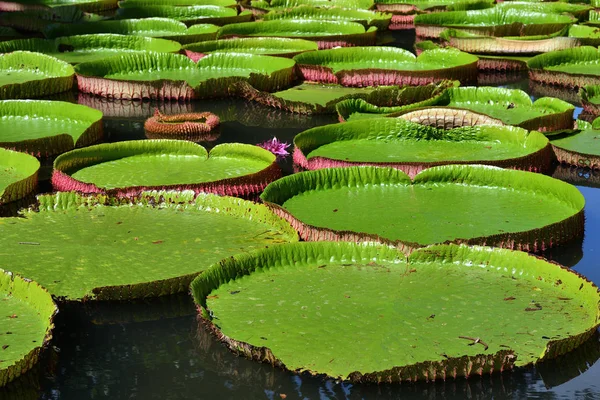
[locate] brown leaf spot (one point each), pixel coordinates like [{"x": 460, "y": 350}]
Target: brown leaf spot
[
  {"x": 157, "y": 241},
  {"x": 212, "y": 297},
  {"x": 4, "y": 347},
  {"x": 509, "y": 298}
]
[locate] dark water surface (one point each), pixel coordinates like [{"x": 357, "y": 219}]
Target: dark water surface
[{"x": 155, "y": 350}]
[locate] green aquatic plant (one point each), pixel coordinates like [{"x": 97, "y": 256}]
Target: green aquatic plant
[
  {"x": 364, "y": 17},
  {"x": 190, "y": 15},
  {"x": 284, "y": 47},
  {"x": 581, "y": 147},
  {"x": 572, "y": 68},
  {"x": 590, "y": 99},
  {"x": 18, "y": 175},
  {"x": 271, "y": 304}
]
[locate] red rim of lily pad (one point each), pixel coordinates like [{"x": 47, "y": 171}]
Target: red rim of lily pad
[{"x": 196, "y": 126}]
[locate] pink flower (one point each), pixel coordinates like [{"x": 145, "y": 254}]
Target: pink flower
[{"x": 276, "y": 147}]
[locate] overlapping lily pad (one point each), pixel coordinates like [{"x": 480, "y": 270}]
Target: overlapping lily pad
[
  {"x": 287, "y": 4},
  {"x": 492, "y": 22},
  {"x": 285, "y": 47},
  {"x": 310, "y": 98},
  {"x": 190, "y": 15},
  {"x": 88, "y": 48},
  {"x": 511, "y": 106},
  {"x": 573, "y": 68},
  {"x": 327, "y": 34},
  {"x": 39, "y": 19},
  {"x": 18, "y": 175},
  {"x": 411, "y": 147},
  {"x": 580, "y": 147},
  {"x": 376, "y": 66},
  {"x": 419, "y": 6},
  {"x": 25, "y": 75},
  {"x": 27, "y": 321},
  {"x": 176, "y": 3},
  {"x": 293, "y": 306},
  {"x": 149, "y": 27},
  {"x": 590, "y": 99},
  {"x": 456, "y": 203},
  {"x": 586, "y": 35},
  {"x": 580, "y": 11},
  {"x": 172, "y": 76},
  {"x": 364, "y": 17},
  {"x": 47, "y": 128},
  {"x": 83, "y": 5},
  {"x": 77, "y": 247},
  {"x": 125, "y": 169}
]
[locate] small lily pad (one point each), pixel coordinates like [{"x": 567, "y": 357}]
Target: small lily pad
[{"x": 18, "y": 175}]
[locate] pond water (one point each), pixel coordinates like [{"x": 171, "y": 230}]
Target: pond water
[{"x": 156, "y": 350}]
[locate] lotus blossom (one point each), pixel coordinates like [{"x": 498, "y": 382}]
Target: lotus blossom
[{"x": 276, "y": 147}]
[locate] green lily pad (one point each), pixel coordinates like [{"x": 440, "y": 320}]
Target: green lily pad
[
  {"x": 47, "y": 128},
  {"x": 580, "y": 11},
  {"x": 37, "y": 20},
  {"x": 511, "y": 106},
  {"x": 492, "y": 22},
  {"x": 27, "y": 313},
  {"x": 411, "y": 7},
  {"x": 587, "y": 35},
  {"x": 572, "y": 68},
  {"x": 83, "y": 5},
  {"x": 77, "y": 246},
  {"x": 88, "y": 48},
  {"x": 287, "y": 4},
  {"x": 375, "y": 66},
  {"x": 9, "y": 33},
  {"x": 590, "y": 99},
  {"x": 164, "y": 28},
  {"x": 580, "y": 148},
  {"x": 310, "y": 98},
  {"x": 412, "y": 147},
  {"x": 164, "y": 75},
  {"x": 190, "y": 15},
  {"x": 295, "y": 306},
  {"x": 26, "y": 75},
  {"x": 327, "y": 34},
  {"x": 364, "y": 17},
  {"x": 18, "y": 175},
  {"x": 454, "y": 203},
  {"x": 176, "y": 3},
  {"x": 285, "y": 47},
  {"x": 128, "y": 168}
]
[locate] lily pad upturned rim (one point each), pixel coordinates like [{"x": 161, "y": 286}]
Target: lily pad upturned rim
[
  {"x": 91, "y": 76},
  {"x": 343, "y": 33},
  {"x": 535, "y": 240},
  {"x": 538, "y": 64},
  {"x": 19, "y": 188},
  {"x": 590, "y": 98},
  {"x": 313, "y": 66},
  {"x": 299, "y": 255},
  {"x": 538, "y": 160},
  {"x": 179, "y": 200},
  {"x": 578, "y": 155},
  {"x": 47, "y": 146},
  {"x": 195, "y": 126},
  {"x": 91, "y": 6},
  {"x": 190, "y": 18},
  {"x": 289, "y": 47},
  {"x": 47, "y": 309},
  {"x": 241, "y": 186},
  {"x": 62, "y": 78}
]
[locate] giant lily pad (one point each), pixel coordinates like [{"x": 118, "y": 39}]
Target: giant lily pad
[
  {"x": 164, "y": 75},
  {"x": 47, "y": 128},
  {"x": 87, "y": 48},
  {"x": 268, "y": 46},
  {"x": 176, "y": 3},
  {"x": 295, "y": 306},
  {"x": 18, "y": 175},
  {"x": 327, "y": 34},
  {"x": 39, "y": 19},
  {"x": 310, "y": 98},
  {"x": 190, "y": 15},
  {"x": 27, "y": 321},
  {"x": 573, "y": 68},
  {"x": 364, "y": 17},
  {"x": 586, "y": 35},
  {"x": 454, "y": 203},
  {"x": 418, "y": 6},
  {"x": 149, "y": 27},
  {"x": 77, "y": 247},
  {"x": 581, "y": 147},
  {"x": 590, "y": 99},
  {"x": 580, "y": 11},
  {"x": 26, "y": 75},
  {"x": 492, "y": 22},
  {"x": 83, "y": 5},
  {"x": 511, "y": 106},
  {"x": 128, "y": 168},
  {"x": 375, "y": 66},
  {"x": 412, "y": 147}
]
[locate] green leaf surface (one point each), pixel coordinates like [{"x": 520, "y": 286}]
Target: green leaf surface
[
  {"x": 581, "y": 60},
  {"x": 287, "y": 4},
  {"x": 309, "y": 306},
  {"x": 47, "y": 127},
  {"x": 26, "y": 312},
  {"x": 268, "y": 46},
  {"x": 433, "y": 5},
  {"x": 365, "y": 17},
  {"x": 26, "y": 75},
  {"x": 558, "y": 7},
  {"x": 302, "y": 28},
  {"x": 392, "y": 140},
  {"x": 385, "y": 58},
  {"x": 18, "y": 175},
  {"x": 83, "y": 5},
  {"x": 161, "y": 163},
  {"x": 76, "y": 247},
  {"x": 93, "y": 47},
  {"x": 441, "y": 204},
  {"x": 176, "y": 3},
  {"x": 148, "y": 27},
  {"x": 201, "y": 14}
]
